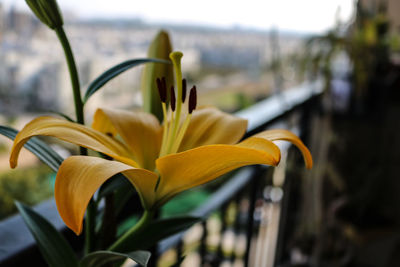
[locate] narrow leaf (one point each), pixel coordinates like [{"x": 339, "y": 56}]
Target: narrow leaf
[
  {"x": 101, "y": 258},
  {"x": 45, "y": 153},
  {"x": 65, "y": 116},
  {"x": 116, "y": 182},
  {"x": 122, "y": 189},
  {"x": 54, "y": 248},
  {"x": 160, "y": 48},
  {"x": 115, "y": 71},
  {"x": 157, "y": 231}
]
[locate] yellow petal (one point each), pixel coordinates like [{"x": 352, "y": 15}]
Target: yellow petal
[
  {"x": 103, "y": 125},
  {"x": 279, "y": 134},
  {"x": 210, "y": 126},
  {"x": 197, "y": 166},
  {"x": 141, "y": 131},
  {"x": 80, "y": 176},
  {"x": 70, "y": 132}
]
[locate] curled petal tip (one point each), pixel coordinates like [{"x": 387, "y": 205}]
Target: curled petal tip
[
  {"x": 12, "y": 161},
  {"x": 14, "y": 157},
  {"x": 309, "y": 162},
  {"x": 278, "y": 159},
  {"x": 280, "y": 134},
  {"x": 77, "y": 230}
]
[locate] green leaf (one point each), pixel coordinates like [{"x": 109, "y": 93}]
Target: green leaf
[
  {"x": 156, "y": 231},
  {"x": 123, "y": 190},
  {"x": 37, "y": 147},
  {"x": 101, "y": 258},
  {"x": 116, "y": 182},
  {"x": 115, "y": 71},
  {"x": 65, "y": 116},
  {"x": 122, "y": 196},
  {"x": 54, "y": 248},
  {"x": 160, "y": 48}
]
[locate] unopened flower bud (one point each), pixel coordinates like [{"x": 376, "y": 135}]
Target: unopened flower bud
[{"x": 47, "y": 11}]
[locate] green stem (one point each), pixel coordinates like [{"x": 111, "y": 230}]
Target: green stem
[
  {"x": 89, "y": 226},
  {"x": 109, "y": 224},
  {"x": 73, "y": 72},
  {"x": 137, "y": 228}
]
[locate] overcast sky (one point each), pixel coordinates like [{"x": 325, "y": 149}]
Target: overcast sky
[{"x": 295, "y": 15}]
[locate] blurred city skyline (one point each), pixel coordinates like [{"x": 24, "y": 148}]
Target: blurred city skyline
[{"x": 306, "y": 16}]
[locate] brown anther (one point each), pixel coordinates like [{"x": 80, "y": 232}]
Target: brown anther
[
  {"x": 192, "y": 99},
  {"x": 173, "y": 99},
  {"x": 161, "y": 90},
  {"x": 183, "y": 90},
  {"x": 164, "y": 83}
]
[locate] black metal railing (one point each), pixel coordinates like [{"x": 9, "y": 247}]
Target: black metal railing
[{"x": 234, "y": 216}]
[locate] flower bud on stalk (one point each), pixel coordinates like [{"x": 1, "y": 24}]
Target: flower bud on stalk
[{"x": 47, "y": 11}]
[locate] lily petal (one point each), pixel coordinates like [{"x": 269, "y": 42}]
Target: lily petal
[
  {"x": 70, "y": 132},
  {"x": 73, "y": 133},
  {"x": 285, "y": 135},
  {"x": 197, "y": 166},
  {"x": 140, "y": 130},
  {"x": 80, "y": 176},
  {"x": 102, "y": 124},
  {"x": 209, "y": 126}
]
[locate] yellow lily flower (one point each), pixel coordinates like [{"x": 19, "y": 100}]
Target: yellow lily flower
[{"x": 159, "y": 160}]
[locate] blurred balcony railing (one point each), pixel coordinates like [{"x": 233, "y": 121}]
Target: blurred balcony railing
[{"x": 245, "y": 219}]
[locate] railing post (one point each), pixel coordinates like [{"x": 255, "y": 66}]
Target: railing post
[
  {"x": 154, "y": 249},
  {"x": 237, "y": 223},
  {"x": 282, "y": 229},
  {"x": 220, "y": 252},
  {"x": 203, "y": 242},
  {"x": 254, "y": 185}
]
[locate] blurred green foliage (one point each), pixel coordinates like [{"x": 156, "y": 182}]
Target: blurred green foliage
[
  {"x": 185, "y": 202},
  {"x": 367, "y": 42},
  {"x": 28, "y": 185},
  {"x": 3, "y": 148}
]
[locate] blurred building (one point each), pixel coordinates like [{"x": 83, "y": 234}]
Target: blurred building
[{"x": 34, "y": 76}]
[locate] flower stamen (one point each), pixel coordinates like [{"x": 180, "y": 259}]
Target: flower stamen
[
  {"x": 174, "y": 130},
  {"x": 173, "y": 99},
  {"x": 183, "y": 90},
  {"x": 162, "y": 90},
  {"x": 192, "y": 99},
  {"x": 182, "y": 131}
]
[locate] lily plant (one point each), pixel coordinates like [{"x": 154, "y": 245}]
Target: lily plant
[{"x": 190, "y": 147}]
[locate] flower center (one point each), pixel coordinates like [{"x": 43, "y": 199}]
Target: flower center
[{"x": 174, "y": 130}]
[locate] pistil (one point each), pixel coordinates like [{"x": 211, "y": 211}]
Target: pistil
[{"x": 176, "y": 61}]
